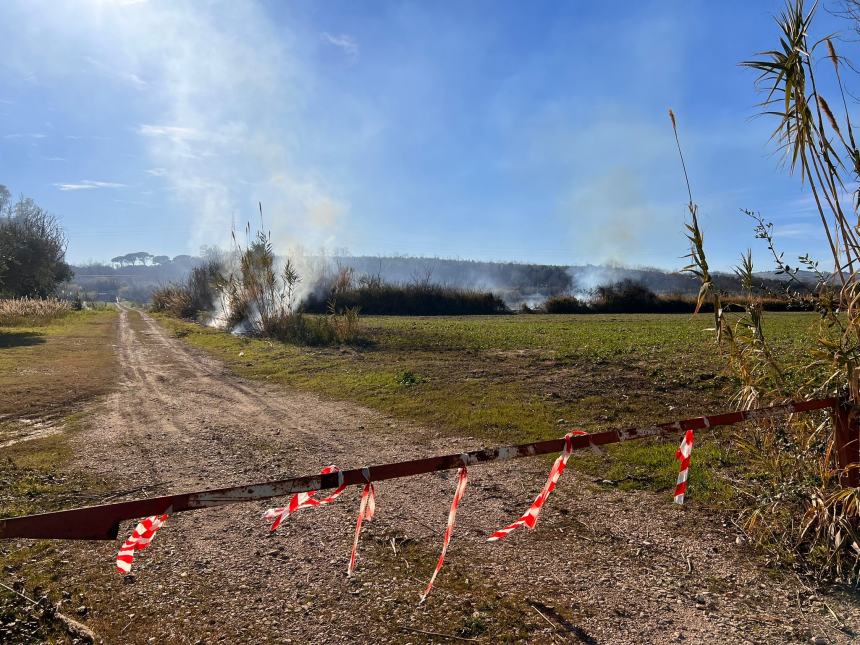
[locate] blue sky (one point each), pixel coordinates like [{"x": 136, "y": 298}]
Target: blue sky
[{"x": 495, "y": 130}]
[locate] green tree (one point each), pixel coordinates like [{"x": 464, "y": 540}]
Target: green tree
[{"x": 32, "y": 249}]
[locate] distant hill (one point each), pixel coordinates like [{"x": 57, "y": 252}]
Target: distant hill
[
  {"x": 806, "y": 277},
  {"x": 516, "y": 283}
]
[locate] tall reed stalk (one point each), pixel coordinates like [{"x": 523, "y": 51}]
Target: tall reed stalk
[{"x": 795, "y": 506}]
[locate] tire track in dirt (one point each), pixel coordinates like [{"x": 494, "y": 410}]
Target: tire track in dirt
[{"x": 602, "y": 566}]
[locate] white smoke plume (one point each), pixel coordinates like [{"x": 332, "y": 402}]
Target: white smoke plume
[{"x": 221, "y": 94}]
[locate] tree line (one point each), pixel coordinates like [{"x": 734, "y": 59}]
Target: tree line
[{"x": 147, "y": 259}]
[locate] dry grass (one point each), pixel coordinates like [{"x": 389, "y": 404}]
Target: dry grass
[
  {"x": 47, "y": 366},
  {"x": 30, "y": 312},
  {"x": 797, "y": 509}
]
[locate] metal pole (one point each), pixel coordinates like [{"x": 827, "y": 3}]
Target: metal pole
[{"x": 847, "y": 440}]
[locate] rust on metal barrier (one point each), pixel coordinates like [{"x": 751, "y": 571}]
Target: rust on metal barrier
[
  {"x": 102, "y": 522},
  {"x": 847, "y": 440}
]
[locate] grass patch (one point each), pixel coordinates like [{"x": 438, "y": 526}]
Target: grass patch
[
  {"x": 29, "y": 312},
  {"x": 652, "y": 465},
  {"x": 51, "y": 366},
  {"x": 522, "y": 378},
  {"x": 32, "y": 481},
  {"x": 61, "y": 363},
  {"x": 45, "y": 370}
]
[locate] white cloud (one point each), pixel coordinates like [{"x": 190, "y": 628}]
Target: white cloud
[
  {"x": 121, "y": 74},
  {"x": 88, "y": 184},
  {"x": 344, "y": 42},
  {"x": 25, "y": 135},
  {"x": 175, "y": 133},
  {"x": 73, "y": 186},
  {"x": 84, "y": 137},
  {"x": 804, "y": 230},
  {"x": 224, "y": 110}
]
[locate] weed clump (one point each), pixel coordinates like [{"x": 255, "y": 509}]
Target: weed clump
[
  {"x": 191, "y": 299},
  {"x": 408, "y": 378},
  {"x": 32, "y": 312}
]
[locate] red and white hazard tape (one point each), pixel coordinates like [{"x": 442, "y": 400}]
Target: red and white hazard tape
[
  {"x": 140, "y": 538},
  {"x": 462, "y": 478},
  {"x": 683, "y": 454},
  {"x": 530, "y": 517},
  {"x": 301, "y": 500},
  {"x": 366, "y": 509}
]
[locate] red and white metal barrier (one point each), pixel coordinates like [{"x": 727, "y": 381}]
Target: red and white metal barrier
[{"x": 101, "y": 522}]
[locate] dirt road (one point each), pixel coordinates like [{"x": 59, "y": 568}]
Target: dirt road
[{"x": 602, "y": 567}]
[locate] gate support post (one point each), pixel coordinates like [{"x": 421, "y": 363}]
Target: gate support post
[{"x": 847, "y": 440}]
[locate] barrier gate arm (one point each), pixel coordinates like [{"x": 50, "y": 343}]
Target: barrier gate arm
[{"x": 101, "y": 522}]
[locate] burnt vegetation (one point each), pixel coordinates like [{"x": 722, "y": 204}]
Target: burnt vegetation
[{"x": 375, "y": 297}]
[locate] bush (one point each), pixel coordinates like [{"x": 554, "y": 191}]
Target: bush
[
  {"x": 564, "y": 305},
  {"x": 261, "y": 300},
  {"x": 376, "y": 298},
  {"x": 630, "y": 297},
  {"x": 194, "y": 297},
  {"x": 625, "y": 296},
  {"x": 26, "y": 312}
]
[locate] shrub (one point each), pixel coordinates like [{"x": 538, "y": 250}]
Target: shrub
[
  {"x": 21, "y": 312},
  {"x": 376, "y": 298},
  {"x": 407, "y": 378},
  {"x": 624, "y": 296},
  {"x": 564, "y": 305},
  {"x": 190, "y": 299},
  {"x": 262, "y": 300}
]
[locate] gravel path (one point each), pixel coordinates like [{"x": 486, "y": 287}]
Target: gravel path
[{"x": 602, "y": 567}]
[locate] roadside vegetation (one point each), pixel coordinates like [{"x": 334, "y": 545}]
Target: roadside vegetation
[
  {"x": 799, "y": 507},
  {"x": 46, "y": 366},
  {"x": 250, "y": 290},
  {"x": 21, "y": 312}
]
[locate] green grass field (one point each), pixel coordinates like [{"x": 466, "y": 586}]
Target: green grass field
[{"x": 519, "y": 378}]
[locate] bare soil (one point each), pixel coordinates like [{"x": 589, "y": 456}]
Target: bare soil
[{"x": 601, "y": 567}]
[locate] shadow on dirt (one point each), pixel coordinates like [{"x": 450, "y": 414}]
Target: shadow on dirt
[{"x": 20, "y": 339}]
